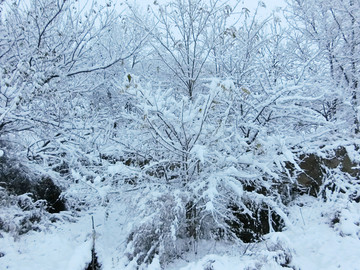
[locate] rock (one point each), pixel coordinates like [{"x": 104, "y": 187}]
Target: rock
[{"x": 312, "y": 176}]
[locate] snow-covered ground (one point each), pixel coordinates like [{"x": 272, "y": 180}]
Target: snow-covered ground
[
  {"x": 67, "y": 245},
  {"x": 313, "y": 241}
]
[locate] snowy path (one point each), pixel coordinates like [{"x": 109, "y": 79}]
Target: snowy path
[
  {"x": 68, "y": 245},
  {"x": 65, "y": 247}
]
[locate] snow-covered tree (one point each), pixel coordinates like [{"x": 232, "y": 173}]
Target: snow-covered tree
[
  {"x": 196, "y": 114},
  {"x": 182, "y": 36},
  {"x": 330, "y": 28},
  {"x": 56, "y": 62}
]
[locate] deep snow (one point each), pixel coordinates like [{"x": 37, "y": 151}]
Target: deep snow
[{"x": 313, "y": 241}]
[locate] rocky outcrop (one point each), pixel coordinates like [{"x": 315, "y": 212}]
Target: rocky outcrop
[{"x": 315, "y": 168}]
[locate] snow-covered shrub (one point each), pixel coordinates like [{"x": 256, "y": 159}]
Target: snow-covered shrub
[
  {"x": 172, "y": 220},
  {"x": 26, "y": 199},
  {"x": 278, "y": 249},
  {"x": 340, "y": 185},
  {"x": 20, "y": 214},
  {"x": 231, "y": 211},
  {"x": 161, "y": 227},
  {"x": 341, "y": 192},
  {"x": 340, "y": 189},
  {"x": 229, "y": 170},
  {"x": 342, "y": 214},
  {"x": 341, "y": 179},
  {"x": 56, "y": 114},
  {"x": 45, "y": 189},
  {"x": 329, "y": 171},
  {"x": 259, "y": 220},
  {"x": 17, "y": 179},
  {"x": 346, "y": 221}
]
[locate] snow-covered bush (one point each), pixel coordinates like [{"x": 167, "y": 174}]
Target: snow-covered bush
[
  {"x": 20, "y": 214},
  {"x": 341, "y": 190},
  {"x": 27, "y": 200},
  {"x": 17, "y": 179},
  {"x": 162, "y": 228},
  {"x": 279, "y": 249},
  {"x": 172, "y": 220},
  {"x": 342, "y": 174},
  {"x": 55, "y": 100},
  {"x": 346, "y": 220},
  {"x": 225, "y": 173}
]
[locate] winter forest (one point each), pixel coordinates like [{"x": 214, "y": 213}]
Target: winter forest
[{"x": 179, "y": 134}]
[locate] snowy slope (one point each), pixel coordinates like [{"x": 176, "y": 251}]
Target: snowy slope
[
  {"x": 320, "y": 245},
  {"x": 313, "y": 242},
  {"x": 68, "y": 245}
]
